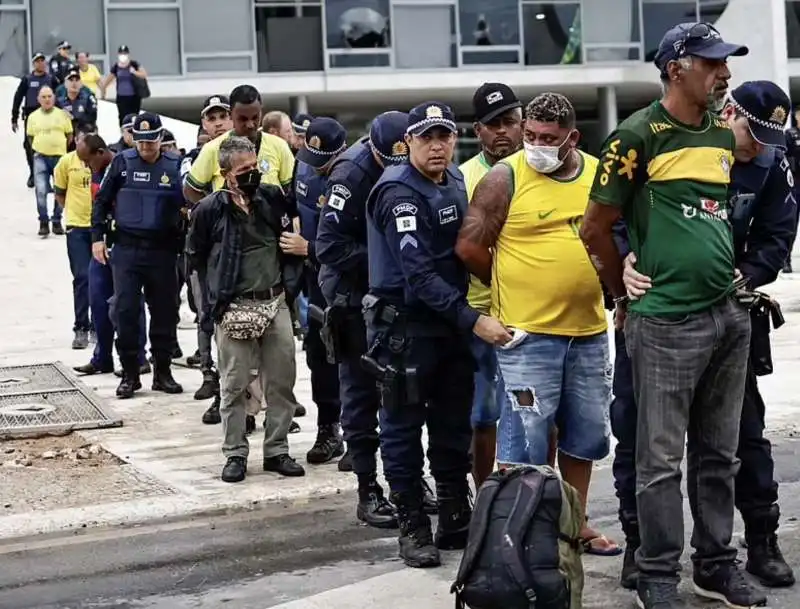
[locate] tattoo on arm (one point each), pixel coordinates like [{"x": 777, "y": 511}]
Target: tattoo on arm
[{"x": 488, "y": 209}]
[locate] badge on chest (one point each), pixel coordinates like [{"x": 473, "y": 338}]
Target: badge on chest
[{"x": 448, "y": 214}]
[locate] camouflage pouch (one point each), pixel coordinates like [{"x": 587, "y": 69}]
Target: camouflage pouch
[{"x": 249, "y": 319}]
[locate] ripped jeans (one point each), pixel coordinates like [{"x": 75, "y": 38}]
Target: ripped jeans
[{"x": 556, "y": 381}]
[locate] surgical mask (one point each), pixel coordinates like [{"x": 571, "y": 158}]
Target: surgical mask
[
  {"x": 543, "y": 159},
  {"x": 248, "y": 182},
  {"x": 123, "y": 59}
]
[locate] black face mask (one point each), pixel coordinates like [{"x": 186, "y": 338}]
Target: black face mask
[{"x": 248, "y": 181}]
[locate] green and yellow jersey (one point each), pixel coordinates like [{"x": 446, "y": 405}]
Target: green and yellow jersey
[{"x": 670, "y": 181}]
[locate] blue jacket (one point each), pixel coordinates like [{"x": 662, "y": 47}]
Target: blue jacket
[{"x": 83, "y": 108}]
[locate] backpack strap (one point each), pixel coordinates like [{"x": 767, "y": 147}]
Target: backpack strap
[{"x": 529, "y": 494}]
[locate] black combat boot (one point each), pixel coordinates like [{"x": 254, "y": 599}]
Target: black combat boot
[
  {"x": 212, "y": 416},
  {"x": 455, "y": 511},
  {"x": 373, "y": 507},
  {"x": 328, "y": 446},
  {"x": 130, "y": 382},
  {"x": 162, "y": 378},
  {"x": 416, "y": 538},
  {"x": 764, "y": 557},
  {"x": 629, "y": 577},
  {"x": 210, "y": 386}
]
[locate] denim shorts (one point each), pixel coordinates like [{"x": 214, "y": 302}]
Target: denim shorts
[
  {"x": 569, "y": 379},
  {"x": 489, "y": 392}
]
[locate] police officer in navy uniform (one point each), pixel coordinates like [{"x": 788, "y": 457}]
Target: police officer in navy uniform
[
  {"x": 61, "y": 61},
  {"x": 27, "y": 96},
  {"x": 143, "y": 190},
  {"x": 326, "y": 140},
  {"x": 341, "y": 249},
  {"x": 125, "y": 142},
  {"x": 300, "y": 124},
  {"x": 80, "y": 102},
  {"x": 762, "y": 211},
  {"x": 418, "y": 329}
]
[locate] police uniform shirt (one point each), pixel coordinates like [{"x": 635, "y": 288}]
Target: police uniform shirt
[
  {"x": 83, "y": 108},
  {"x": 27, "y": 93}
]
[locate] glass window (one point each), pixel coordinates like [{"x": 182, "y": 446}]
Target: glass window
[
  {"x": 552, "y": 33},
  {"x": 489, "y": 22},
  {"x": 611, "y": 39},
  {"x": 425, "y": 36},
  {"x": 476, "y": 58},
  {"x": 357, "y": 24},
  {"x": 793, "y": 28},
  {"x": 218, "y": 64},
  {"x": 659, "y": 16},
  {"x": 359, "y": 60},
  {"x": 15, "y": 59},
  {"x": 160, "y": 52},
  {"x": 55, "y": 20},
  {"x": 289, "y": 38},
  {"x": 237, "y": 35}
]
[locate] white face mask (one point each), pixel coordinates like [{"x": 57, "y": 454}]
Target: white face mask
[
  {"x": 543, "y": 159},
  {"x": 123, "y": 59}
]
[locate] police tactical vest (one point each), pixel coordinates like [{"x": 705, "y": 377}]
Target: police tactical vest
[
  {"x": 747, "y": 183},
  {"x": 447, "y": 206},
  {"x": 309, "y": 189},
  {"x": 150, "y": 198},
  {"x": 76, "y": 107},
  {"x": 35, "y": 83}
]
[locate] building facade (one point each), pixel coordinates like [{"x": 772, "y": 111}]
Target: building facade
[{"x": 354, "y": 58}]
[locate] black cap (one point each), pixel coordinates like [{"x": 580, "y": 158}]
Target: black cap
[
  {"x": 325, "y": 139},
  {"x": 215, "y": 102},
  {"x": 127, "y": 121},
  {"x": 301, "y": 122},
  {"x": 147, "y": 128},
  {"x": 123, "y": 48},
  {"x": 38, "y": 55},
  {"x": 766, "y": 108},
  {"x": 64, "y": 44},
  {"x": 386, "y": 134},
  {"x": 167, "y": 137},
  {"x": 697, "y": 40},
  {"x": 429, "y": 115},
  {"x": 73, "y": 73},
  {"x": 491, "y": 100}
]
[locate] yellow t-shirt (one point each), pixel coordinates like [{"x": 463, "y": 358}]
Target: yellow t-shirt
[
  {"x": 275, "y": 161},
  {"x": 49, "y": 131},
  {"x": 73, "y": 178},
  {"x": 543, "y": 281},
  {"x": 479, "y": 296},
  {"x": 90, "y": 77}
]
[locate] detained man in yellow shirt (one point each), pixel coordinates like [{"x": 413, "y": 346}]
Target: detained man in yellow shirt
[
  {"x": 72, "y": 184},
  {"x": 49, "y": 130},
  {"x": 521, "y": 235},
  {"x": 498, "y": 125}
]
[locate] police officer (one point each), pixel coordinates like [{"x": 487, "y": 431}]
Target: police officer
[
  {"x": 300, "y": 125},
  {"x": 27, "y": 96},
  {"x": 418, "y": 326},
  {"x": 341, "y": 249},
  {"x": 125, "y": 142},
  {"x": 78, "y": 101},
  {"x": 326, "y": 140},
  {"x": 763, "y": 216},
  {"x": 143, "y": 189},
  {"x": 61, "y": 61}
]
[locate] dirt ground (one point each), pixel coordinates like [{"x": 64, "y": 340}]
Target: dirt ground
[{"x": 63, "y": 472}]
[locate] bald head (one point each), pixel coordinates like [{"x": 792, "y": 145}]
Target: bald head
[
  {"x": 46, "y": 98},
  {"x": 278, "y": 123}
]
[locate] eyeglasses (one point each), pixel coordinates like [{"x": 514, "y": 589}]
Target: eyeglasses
[{"x": 699, "y": 31}]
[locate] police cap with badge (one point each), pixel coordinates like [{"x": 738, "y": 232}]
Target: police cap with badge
[
  {"x": 766, "y": 108},
  {"x": 386, "y": 137},
  {"x": 301, "y": 122},
  {"x": 127, "y": 121},
  {"x": 38, "y": 56},
  {"x": 325, "y": 139},
  {"x": 429, "y": 115},
  {"x": 147, "y": 127},
  {"x": 215, "y": 102}
]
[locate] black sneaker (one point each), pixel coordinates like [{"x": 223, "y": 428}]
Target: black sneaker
[
  {"x": 726, "y": 583},
  {"x": 209, "y": 388},
  {"x": 284, "y": 465},
  {"x": 57, "y": 228},
  {"x": 328, "y": 446},
  {"x": 658, "y": 595},
  {"x": 235, "y": 469},
  {"x": 194, "y": 360},
  {"x": 44, "y": 228}
]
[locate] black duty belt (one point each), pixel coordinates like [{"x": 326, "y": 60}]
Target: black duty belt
[{"x": 269, "y": 294}]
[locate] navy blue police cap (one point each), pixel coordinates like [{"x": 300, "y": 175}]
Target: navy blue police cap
[
  {"x": 301, "y": 122},
  {"x": 696, "y": 40},
  {"x": 147, "y": 128},
  {"x": 766, "y": 108},
  {"x": 387, "y": 137},
  {"x": 325, "y": 138},
  {"x": 37, "y": 56},
  {"x": 429, "y": 115},
  {"x": 127, "y": 121},
  {"x": 167, "y": 137}
]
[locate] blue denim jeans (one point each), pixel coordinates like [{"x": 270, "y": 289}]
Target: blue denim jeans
[
  {"x": 79, "y": 251},
  {"x": 43, "y": 167},
  {"x": 557, "y": 381},
  {"x": 489, "y": 389}
]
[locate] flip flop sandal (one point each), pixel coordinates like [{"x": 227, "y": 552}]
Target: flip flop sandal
[{"x": 612, "y": 549}]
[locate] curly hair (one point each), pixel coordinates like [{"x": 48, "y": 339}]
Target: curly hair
[{"x": 551, "y": 108}]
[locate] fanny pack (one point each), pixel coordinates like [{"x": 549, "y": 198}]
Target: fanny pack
[{"x": 249, "y": 319}]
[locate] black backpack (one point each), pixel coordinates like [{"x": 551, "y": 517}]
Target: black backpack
[{"x": 523, "y": 550}]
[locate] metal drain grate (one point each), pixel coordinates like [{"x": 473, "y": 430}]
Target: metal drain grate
[{"x": 47, "y": 398}]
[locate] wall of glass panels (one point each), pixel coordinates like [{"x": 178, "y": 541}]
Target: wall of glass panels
[{"x": 191, "y": 37}]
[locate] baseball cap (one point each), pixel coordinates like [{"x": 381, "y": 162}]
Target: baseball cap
[
  {"x": 386, "y": 135},
  {"x": 64, "y": 44},
  {"x": 147, "y": 128},
  {"x": 37, "y": 56},
  {"x": 325, "y": 138},
  {"x": 428, "y": 115},
  {"x": 215, "y": 102},
  {"x": 127, "y": 121},
  {"x": 73, "y": 73},
  {"x": 766, "y": 107},
  {"x": 301, "y": 122},
  {"x": 697, "y": 40},
  {"x": 493, "y": 99}
]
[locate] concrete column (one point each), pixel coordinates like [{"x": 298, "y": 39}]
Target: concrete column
[
  {"x": 298, "y": 104},
  {"x": 607, "y": 109}
]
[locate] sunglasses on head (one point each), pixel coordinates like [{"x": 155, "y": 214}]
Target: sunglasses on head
[{"x": 699, "y": 31}]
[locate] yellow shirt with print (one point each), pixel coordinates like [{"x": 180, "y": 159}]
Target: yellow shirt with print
[
  {"x": 479, "y": 296},
  {"x": 49, "y": 131},
  {"x": 73, "y": 179},
  {"x": 543, "y": 281},
  {"x": 275, "y": 161},
  {"x": 90, "y": 77}
]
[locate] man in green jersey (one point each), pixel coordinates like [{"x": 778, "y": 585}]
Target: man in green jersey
[{"x": 666, "y": 171}]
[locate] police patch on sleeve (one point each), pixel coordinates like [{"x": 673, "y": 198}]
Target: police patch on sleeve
[
  {"x": 336, "y": 201},
  {"x": 404, "y": 208},
  {"x": 406, "y": 224},
  {"x": 342, "y": 191}
]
